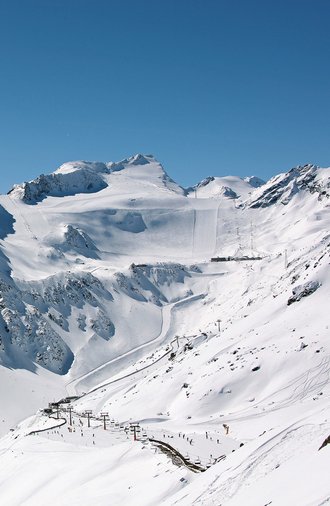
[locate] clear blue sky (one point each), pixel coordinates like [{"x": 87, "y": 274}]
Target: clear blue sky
[{"x": 210, "y": 87}]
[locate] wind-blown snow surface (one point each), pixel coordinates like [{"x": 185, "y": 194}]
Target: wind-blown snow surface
[{"x": 108, "y": 292}]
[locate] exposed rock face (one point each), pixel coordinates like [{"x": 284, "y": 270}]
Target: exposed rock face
[
  {"x": 283, "y": 187},
  {"x": 30, "y": 314},
  {"x": 83, "y": 180},
  {"x": 304, "y": 290},
  {"x": 29, "y": 337}
]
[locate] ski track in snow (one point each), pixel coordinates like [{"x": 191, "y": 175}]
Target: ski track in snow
[
  {"x": 158, "y": 340},
  {"x": 205, "y": 224}
]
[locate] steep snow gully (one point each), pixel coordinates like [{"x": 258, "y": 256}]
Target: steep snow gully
[{"x": 162, "y": 345}]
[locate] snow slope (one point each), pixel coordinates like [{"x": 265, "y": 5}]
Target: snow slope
[{"x": 108, "y": 291}]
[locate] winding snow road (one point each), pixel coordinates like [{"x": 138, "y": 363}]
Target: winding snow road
[{"x": 104, "y": 370}]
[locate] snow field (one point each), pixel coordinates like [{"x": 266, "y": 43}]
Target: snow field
[{"x": 159, "y": 334}]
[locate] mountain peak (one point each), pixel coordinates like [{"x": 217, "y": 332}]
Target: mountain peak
[
  {"x": 82, "y": 165},
  {"x": 232, "y": 187},
  {"x": 140, "y": 159},
  {"x": 83, "y": 176},
  {"x": 69, "y": 179},
  {"x": 283, "y": 187}
]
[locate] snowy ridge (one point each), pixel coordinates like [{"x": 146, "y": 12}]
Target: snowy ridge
[
  {"x": 87, "y": 177},
  {"x": 113, "y": 297},
  {"x": 229, "y": 186},
  {"x": 83, "y": 180},
  {"x": 70, "y": 238},
  {"x": 283, "y": 187}
]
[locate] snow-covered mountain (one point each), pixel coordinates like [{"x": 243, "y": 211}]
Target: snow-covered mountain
[
  {"x": 199, "y": 312},
  {"x": 90, "y": 177}
]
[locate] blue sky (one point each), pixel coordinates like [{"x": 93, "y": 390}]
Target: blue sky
[{"x": 210, "y": 87}]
